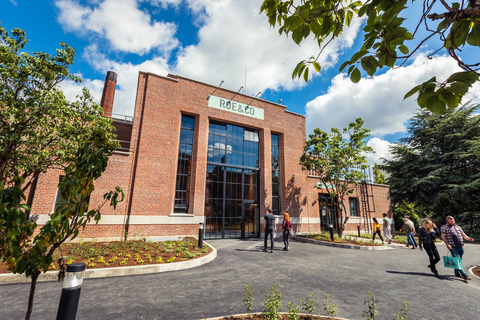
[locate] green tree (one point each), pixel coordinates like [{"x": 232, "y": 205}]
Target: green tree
[
  {"x": 378, "y": 176},
  {"x": 41, "y": 130},
  {"x": 437, "y": 166},
  {"x": 338, "y": 161},
  {"x": 403, "y": 208},
  {"x": 387, "y": 42}
]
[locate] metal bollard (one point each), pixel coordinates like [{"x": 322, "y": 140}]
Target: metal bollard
[
  {"x": 331, "y": 231},
  {"x": 72, "y": 285},
  {"x": 200, "y": 235},
  {"x": 358, "y": 228}
]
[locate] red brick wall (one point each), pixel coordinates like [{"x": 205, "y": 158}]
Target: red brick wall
[
  {"x": 379, "y": 204},
  {"x": 152, "y": 161}
]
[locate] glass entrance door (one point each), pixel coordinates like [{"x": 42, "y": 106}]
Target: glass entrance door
[
  {"x": 328, "y": 212},
  {"x": 231, "y": 205},
  {"x": 231, "y": 193}
]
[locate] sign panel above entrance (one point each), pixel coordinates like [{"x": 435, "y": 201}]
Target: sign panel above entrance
[{"x": 235, "y": 107}]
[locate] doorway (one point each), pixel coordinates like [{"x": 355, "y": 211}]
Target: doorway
[
  {"x": 231, "y": 203},
  {"x": 328, "y": 212}
]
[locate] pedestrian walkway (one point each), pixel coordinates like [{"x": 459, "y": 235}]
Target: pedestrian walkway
[{"x": 217, "y": 288}]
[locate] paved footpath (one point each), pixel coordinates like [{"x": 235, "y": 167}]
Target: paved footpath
[{"x": 217, "y": 288}]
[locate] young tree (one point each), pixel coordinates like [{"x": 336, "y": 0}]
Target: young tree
[
  {"x": 41, "y": 130},
  {"x": 378, "y": 176},
  {"x": 437, "y": 165},
  {"x": 386, "y": 42},
  {"x": 338, "y": 161}
]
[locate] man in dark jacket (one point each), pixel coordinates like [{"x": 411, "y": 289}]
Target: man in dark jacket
[{"x": 269, "y": 226}]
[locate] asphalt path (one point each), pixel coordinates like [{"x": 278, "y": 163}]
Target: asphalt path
[{"x": 217, "y": 288}]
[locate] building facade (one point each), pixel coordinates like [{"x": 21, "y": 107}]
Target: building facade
[{"x": 198, "y": 153}]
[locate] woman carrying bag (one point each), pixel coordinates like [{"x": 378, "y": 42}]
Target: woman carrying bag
[{"x": 426, "y": 239}]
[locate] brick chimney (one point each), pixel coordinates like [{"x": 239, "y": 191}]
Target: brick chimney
[{"x": 108, "y": 93}]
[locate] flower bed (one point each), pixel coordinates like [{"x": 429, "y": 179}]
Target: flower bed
[
  {"x": 323, "y": 236},
  {"x": 126, "y": 253}
]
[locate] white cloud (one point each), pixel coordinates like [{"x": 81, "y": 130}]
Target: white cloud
[
  {"x": 127, "y": 78},
  {"x": 165, "y": 3},
  {"x": 377, "y": 100},
  {"x": 234, "y": 36},
  {"x": 121, "y": 22},
  {"x": 380, "y": 147}
]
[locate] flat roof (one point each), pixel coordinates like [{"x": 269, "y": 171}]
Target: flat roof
[{"x": 174, "y": 77}]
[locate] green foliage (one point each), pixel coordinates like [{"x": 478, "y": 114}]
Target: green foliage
[
  {"x": 308, "y": 306},
  {"x": 371, "y": 312},
  {"x": 40, "y": 130},
  {"x": 436, "y": 167},
  {"x": 330, "y": 310},
  {"x": 386, "y": 39},
  {"x": 403, "y": 208},
  {"x": 378, "y": 177},
  {"x": 248, "y": 299},
  {"x": 402, "y": 314},
  {"x": 293, "y": 311},
  {"x": 337, "y": 161},
  {"x": 273, "y": 303}
]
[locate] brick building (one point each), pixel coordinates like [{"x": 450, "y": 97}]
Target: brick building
[{"x": 198, "y": 153}]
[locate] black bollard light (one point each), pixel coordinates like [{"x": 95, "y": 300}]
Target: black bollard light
[
  {"x": 72, "y": 285},
  {"x": 330, "y": 226},
  {"x": 200, "y": 235},
  {"x": 358, "y": 228}
]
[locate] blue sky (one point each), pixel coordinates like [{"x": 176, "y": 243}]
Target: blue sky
[{"x": 215, "y": 40}]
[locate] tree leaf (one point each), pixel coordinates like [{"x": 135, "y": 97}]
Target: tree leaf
[
  {"x": 412, "y": 92},
  {"x": 355, "y": 76},
  {"x": 305, "y": 75},
  {"x": 403, "y": 49}
]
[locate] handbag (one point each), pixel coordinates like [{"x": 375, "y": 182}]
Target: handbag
[{"x": 452, "y": 262}]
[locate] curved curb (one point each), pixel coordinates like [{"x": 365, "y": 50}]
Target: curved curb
[
  {"x": 345, "y": 246},
  {"x": 8, "y": 278},
  {"x": 258, "y": 313},
  {"x": 471, "y": 272}
]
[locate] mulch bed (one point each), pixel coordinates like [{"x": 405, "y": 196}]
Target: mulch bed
[
  {"x": 342, "y": 241},
  {"x": 476, "y": 271},
  {"x": 282, "y": 316},
  {"x": 127, "y": 253}
]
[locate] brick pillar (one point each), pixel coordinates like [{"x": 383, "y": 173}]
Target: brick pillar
[{"x": 108, "y": 93}]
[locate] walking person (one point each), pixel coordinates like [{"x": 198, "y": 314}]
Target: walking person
[
  {"x": 426, "y": 239},
  {"x": 386, "y": 228},
  {"x": 286, "y": 226},
  {"x": 414, "y": 232},
  {"x": 453, "y": 237},
  {"x": 269, "y": 226},
  {"x": 376, "y": 229},
  {"x": 407, "y": 228}
]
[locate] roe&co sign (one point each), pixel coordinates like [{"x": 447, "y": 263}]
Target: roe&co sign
[{"x": 235, "y": 107}]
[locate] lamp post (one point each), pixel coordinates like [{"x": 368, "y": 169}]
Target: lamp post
[
  {"x": 200, "y": 235},
  {"x": 72, "y": 285},
  {"x": 330, "y": 226}
]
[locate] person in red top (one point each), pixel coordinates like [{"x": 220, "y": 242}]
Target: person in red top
[
  {"x": 453, "y": 236},
  {"x": 286, "y": 230}
]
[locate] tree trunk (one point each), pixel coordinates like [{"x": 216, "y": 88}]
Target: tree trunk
[
  {"x": 33, "y": 285},
  {"x": 343, "y": 222}
]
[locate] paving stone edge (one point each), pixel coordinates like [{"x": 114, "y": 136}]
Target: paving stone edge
[{"x": 8, "y": 278}]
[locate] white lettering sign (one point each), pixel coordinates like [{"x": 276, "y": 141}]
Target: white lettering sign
[
  {"x": 235, "y": 107},
  {"x": 329, "y": 186}
]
